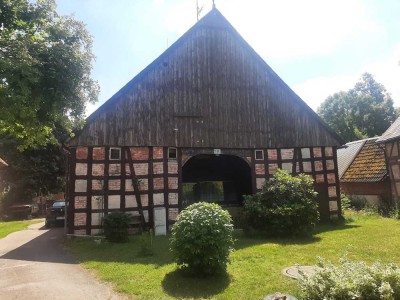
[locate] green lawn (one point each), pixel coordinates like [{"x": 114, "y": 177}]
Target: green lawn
[
  {"x": 255, "y": 268},
  {"x": 11, "y": 226}
]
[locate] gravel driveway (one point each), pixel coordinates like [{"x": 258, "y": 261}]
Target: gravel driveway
[{"x": 35, "y": 265}]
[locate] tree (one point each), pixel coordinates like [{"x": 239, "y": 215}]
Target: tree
[
  {"x": 45, "y": 66},
  {"x": 32, "y": 172},
  {"x": 45, "y": 84},
  {"x": 364, "y": 111}
]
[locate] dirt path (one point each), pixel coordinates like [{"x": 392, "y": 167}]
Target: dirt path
[{"x": 34, "y": 265}]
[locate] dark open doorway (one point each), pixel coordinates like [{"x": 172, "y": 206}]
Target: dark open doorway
[{"x": 222, "y": 179}]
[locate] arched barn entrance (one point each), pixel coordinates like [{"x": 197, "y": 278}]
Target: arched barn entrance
[{"x": 222, "y": 179}]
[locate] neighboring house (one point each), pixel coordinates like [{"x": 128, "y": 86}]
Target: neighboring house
[
  {"x": 390, "y": 142},
  {"x": 363, "y": 173},
  {"x": 207, "y": 120}
]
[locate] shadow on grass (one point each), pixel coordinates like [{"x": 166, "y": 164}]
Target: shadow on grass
[
  {"x": 246, "y": 241},
  {"x": 180, "y": 284},
  {"x": 243, "y": 240},
  {"x": 335, "y": 226},
  {"x": 89, "y": 250}
]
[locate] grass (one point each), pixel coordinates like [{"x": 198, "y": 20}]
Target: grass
[
  {"x": 256, "y": 265},
  {"x": 11, "y": 226}
]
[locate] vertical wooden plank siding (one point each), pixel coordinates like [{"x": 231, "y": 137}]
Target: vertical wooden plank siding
[{"x": 213, "y": 77}]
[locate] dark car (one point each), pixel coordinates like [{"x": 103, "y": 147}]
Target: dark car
[{"x": 56, "y": 214}]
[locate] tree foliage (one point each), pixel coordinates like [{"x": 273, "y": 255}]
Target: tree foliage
[
  {"x": 45, "y": 85},
  {"x": 45, "y": 66},
  {"x": 31, "y": 172},
  {"x": 364, "y": 111}
]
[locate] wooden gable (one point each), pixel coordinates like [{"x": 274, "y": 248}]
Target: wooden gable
[{"x": 209, "y": 89}]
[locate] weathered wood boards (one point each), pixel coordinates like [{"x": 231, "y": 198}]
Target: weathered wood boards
[{"x": 210, "y": 89}]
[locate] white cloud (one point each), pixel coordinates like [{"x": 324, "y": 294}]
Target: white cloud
[
  {"x": 314, "y": 91},
  {"x": 90, "y": 108}
]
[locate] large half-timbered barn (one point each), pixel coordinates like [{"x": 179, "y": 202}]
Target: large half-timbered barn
[{"x": 207, "y": 120}]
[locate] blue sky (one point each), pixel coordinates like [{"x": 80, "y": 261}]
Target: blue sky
[{"x": 317, "y": 47}]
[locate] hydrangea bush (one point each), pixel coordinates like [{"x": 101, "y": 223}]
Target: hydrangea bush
[
  {"x": 285, "y": 206},
  {"x": 352, "y": 280},
  {"x": 202, "y": 238}
]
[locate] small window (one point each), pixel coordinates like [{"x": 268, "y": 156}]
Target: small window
[
  {"x": 172, "y": 153},
  {"x": 115, "y": 153},
  {"x": 259, "y": 154}
]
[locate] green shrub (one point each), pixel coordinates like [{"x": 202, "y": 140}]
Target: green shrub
[
  {"x": 202, "y": 238},
  {"x": 285, "y": 206},
  {"x": 116, "y": 226},
  {"x": 345, "y": 201},
  {"x": 146, "y": 244},
  {"x": 352, "y": 280}
]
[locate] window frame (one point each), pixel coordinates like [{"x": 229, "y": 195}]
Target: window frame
[
  {"x": 259, "y": 151},
  {"x": 111, "y": 151},
  {"x": 170, "y": 152}
]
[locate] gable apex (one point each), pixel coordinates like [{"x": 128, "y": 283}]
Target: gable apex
[{"x": 212, "y": 62}]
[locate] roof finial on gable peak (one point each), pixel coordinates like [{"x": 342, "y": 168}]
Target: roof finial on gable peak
[{"x": 213, "y": 6}]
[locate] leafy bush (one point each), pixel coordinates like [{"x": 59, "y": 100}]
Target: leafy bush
[
  {"x": 116, "y": 226},
  {"x": 146, "y": 244},
  {"x": 285, "y": 206},
  {"x": 385, "y": 208},
  {"x": 345, "y": 201},
  {"x": 360, "y": 203},
  {"x": 202, "y": 238},
  {"x": 352, "y": 280}
]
